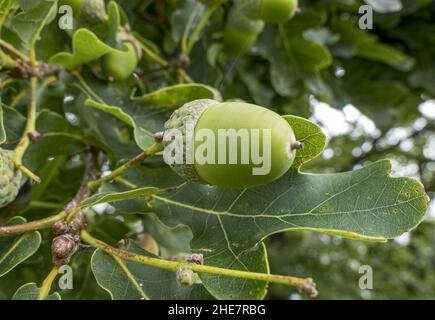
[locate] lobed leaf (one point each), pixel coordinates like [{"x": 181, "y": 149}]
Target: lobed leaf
[
  {"x": 30, "y": 291},
  {"x": 175, "y": 96}
]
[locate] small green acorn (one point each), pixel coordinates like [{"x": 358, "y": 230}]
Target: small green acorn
[
  {"x": 121, "y": 64},
  {"x": 91, "y": 11},
  {"x": 240, "y": 32},
  {"x": 238, "y": 117},
  {"x": 270, "y": 11},
  {"x": 10, "y": 178}
]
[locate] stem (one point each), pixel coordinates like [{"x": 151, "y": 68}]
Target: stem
[
  {"x": 174, "y": 265},
  {"x": 12, "y": 50},
  {"x": 22, "y": 146},
  {"x": 155, "y": 148},
  {"x": 46, "y": 285},
  {"x": 31, "y": 226}
]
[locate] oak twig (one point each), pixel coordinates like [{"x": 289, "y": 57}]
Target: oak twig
[{"x": 306, "y": 285}]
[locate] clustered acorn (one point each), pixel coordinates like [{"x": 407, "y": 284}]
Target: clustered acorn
[
  {"x": 67, "y": 239},
  {"x": 10, "y": 178}
]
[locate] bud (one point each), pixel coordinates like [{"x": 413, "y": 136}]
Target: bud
[
  {"x": 196, "y": 258},
  {"x": 60, "y": 227},
  {"x": 62, "y": 248},
  {"x": 186, "y": 276}
]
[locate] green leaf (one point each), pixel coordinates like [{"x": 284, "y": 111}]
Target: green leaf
[
  {"x": 58, "y": 137},
  {"x": 366, "y": 204},
  {"x": 15, "y": 250},
  {"x": 292, "y": 58},
  {"x": 120, "y": 196},
  {"x": 311, "y": 135},
  {"x": 175, "y": 96},
  {"x": 5, "y": 7},
  {"x": 30, "y": 291},
  {"x": 29, "y": 23},
  {"x": 126, "y": 280},
  {"x": 86, "y": 48},
  {"x": 186, "y": 18},
  {"x": 143, "y": 137},
  {"x": 360, "y": 43}
]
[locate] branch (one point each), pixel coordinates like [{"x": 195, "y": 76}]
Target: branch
[
  {"x": 306, "y": 285},
  {"x": 31, "y": 226},
  {"x": 12, "y": 50},
  {"x": 24, "y": 143},
  {"x": 155, "y": 148}
]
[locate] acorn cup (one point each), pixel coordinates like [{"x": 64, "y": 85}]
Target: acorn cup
[{"x": 10, "y": 178}]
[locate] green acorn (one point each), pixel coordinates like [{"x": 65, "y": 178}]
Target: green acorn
[
  {"x": 10, "y": 178},
  {"x": 230, "y": 116},
  {"x": 240, "y": 32},
  {"x": 120, "y": 65},
  {"x": 270, "y": 11}
]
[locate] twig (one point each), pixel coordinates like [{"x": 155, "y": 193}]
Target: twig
[
  {"x": 46, "y": 285},
  {"x": 12, "y": 50},
  {"x": 307, "y": 284},
  {"x": 24, "y": 143},
  {"x": 31, "y": 226},
  {"x": 91, "y": 173}
]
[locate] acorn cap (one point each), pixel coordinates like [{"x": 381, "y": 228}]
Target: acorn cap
[
  {"x": 188, "y": 113},
  {"x": 10, "y": 178}
]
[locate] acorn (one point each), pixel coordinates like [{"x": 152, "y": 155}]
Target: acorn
[
  {"x": 220, "y": 165},
  {"x": 10, "y": 178},
  {"x": 62, "y": 249},
  {"x": 240, "y": 32},
  {"x": 119, "y": 65},
  {"x": 270, "y": 11}
]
